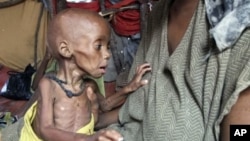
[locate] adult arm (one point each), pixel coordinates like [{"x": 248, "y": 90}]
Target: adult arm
[{"x": 239, "y": 114}]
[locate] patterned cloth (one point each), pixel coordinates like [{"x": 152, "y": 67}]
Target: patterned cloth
[
  {"x": 228, "y": 19},
  {"x": 6, "y": 119},
  {"x": 187, "y": 96}
]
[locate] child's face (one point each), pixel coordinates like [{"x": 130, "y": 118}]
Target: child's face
[{"x": 91, "y": 49}]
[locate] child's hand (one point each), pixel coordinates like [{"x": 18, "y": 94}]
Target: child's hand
[
  {"x": 137, "y": 81},
  {"x": 107, "y": 135}
]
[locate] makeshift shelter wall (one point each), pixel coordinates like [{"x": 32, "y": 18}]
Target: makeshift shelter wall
[{"x": 18, "y": 26}]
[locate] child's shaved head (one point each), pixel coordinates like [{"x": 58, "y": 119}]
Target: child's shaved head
[{"x": 68, "y": 25}]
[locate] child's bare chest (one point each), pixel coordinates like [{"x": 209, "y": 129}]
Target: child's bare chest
[{"x": 71, "y": 114}]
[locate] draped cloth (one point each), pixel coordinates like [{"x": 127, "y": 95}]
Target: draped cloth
[
  {"x": 125, "y": 23},
  {"x": 188, "y": 94},
  {"x": 18, "y": 25}
]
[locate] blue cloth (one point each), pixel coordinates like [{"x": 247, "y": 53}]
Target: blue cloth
[{"x": 123, "y": 50}]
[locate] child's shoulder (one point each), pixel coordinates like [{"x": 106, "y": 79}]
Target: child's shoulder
[
  {"x": 46, "y": 88},
  {"x": 45, "y": 81}
]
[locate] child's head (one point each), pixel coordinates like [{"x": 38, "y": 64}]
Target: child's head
[{"x": 80, "y": 37}]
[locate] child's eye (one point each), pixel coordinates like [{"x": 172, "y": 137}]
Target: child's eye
[
  {"x": 108, "y": 47},
  {"x": 98, "y": 47}
]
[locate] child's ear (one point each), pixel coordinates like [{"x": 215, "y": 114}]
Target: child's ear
[{"x": 65, "y": 50}]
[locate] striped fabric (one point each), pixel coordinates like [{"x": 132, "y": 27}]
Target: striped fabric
[{"x": 189, "y": 93}]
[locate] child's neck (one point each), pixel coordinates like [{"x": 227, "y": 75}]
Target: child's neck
[
  {"x": 70, "y": 73},
  {"x": 67, "y": 89}
]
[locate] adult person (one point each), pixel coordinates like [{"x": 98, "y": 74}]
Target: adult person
[{"x": 198, "y": 85}]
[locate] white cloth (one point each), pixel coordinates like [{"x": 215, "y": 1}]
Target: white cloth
[{"x": 228, "y": 19}]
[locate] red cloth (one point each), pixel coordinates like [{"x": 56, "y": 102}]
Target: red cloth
[
  {"x": 10, "y": 105},
  {"x": 94, "y": 6},
  {"x": 124, "y": 23},
  {"x": 127, "y": 22}
]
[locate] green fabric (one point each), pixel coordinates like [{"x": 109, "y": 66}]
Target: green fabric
[
  {"x": 6, "y": 119},
  {"x": 190, "y": 91},
  {"x": 52, "y": 66}
]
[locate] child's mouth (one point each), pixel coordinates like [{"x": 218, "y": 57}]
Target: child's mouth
[{"x": 103, "y": 70}]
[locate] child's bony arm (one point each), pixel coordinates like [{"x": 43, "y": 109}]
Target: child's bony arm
[{"x": 119, "y": 97}]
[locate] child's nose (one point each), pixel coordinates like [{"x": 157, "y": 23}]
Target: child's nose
[{"x": 107, "y": 54}]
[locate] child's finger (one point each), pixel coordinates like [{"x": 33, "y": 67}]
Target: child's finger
[
  {"x": 144, "y": 82},
  {"x": 138, "y": 68},
  {"x": 142, "y": 72},
  {"x": 110, "y": 135},
  {"x": 143, "y": 67}
]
